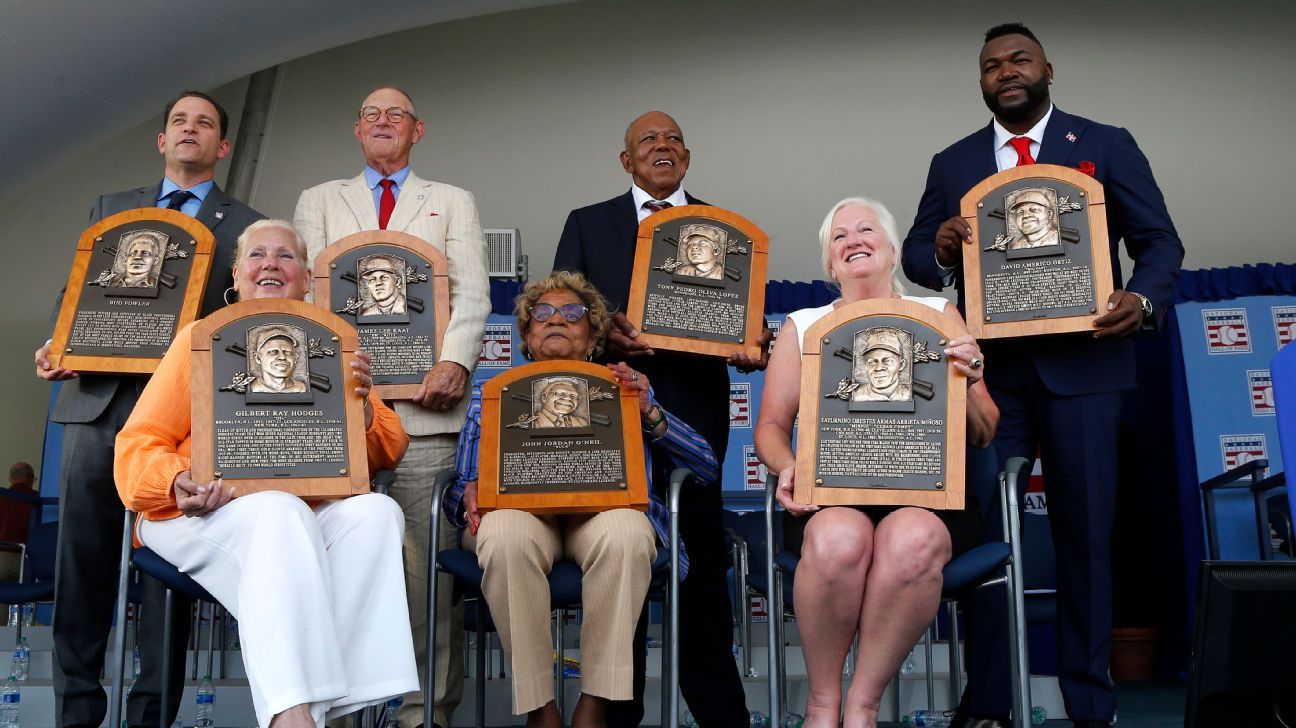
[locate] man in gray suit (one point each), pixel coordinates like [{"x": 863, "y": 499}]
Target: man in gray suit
[{"x": 93, "y": 407}]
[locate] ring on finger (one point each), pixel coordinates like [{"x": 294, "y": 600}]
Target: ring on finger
[
  {"x": 634, "y": 376},
  {"x": 976, "y": 362}
]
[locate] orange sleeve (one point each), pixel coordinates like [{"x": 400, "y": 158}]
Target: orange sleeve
[
  {"x": 154, "y": 446},
  {"x": 385, "y": 439}
]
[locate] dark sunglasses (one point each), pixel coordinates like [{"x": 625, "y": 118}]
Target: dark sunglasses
[{"x": 571, "y": 312}]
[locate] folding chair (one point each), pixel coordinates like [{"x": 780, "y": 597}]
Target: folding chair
[{"x": 565, "y": 594}]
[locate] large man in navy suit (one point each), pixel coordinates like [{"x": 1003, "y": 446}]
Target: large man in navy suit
[
  {"x": 1058, "y": 395},
  {"x": 599, "y": 241}
]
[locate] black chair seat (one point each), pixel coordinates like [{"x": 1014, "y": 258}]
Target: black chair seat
[{"x": 144, "y": 559}]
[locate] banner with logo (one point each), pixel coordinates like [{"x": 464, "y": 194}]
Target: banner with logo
[{"x": 1227, "y": 348}]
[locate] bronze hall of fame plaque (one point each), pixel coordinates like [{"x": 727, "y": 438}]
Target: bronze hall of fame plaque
[
  {"x": 699, "y": 281},
  {"x": 882, "y": 417},
  {"x": 1039, "y": 262},
  {"x": 137, "y": 278},
  {"x": 560, "y": 437},
  {"x": 395, "y": 288},
  {"x": 274, "y": 407}
]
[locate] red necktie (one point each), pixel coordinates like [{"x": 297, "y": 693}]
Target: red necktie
[
  {"x": 1022, "y": 145},
  {"x": 386, "y": 203},
  {"x": 657, "y": 205}
]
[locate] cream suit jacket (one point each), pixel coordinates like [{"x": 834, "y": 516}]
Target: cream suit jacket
[{"x": 446, "y": 217}]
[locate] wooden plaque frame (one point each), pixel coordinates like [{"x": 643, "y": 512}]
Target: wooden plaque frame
[
  {"x": 634, "y": 495},
  {"x": 202, "y": 247},
  {"x": 439, "y": 279},
  {"x": 759, "y": 253},
  {"x": 352, "y": 480},
  {"x": 1100, "y": 254},
  {"x": 807, "y": 490}
]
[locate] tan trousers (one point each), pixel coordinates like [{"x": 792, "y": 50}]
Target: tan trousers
[
  {"x": 427, "y": 455},
  {"x": 615, "y": 550}
]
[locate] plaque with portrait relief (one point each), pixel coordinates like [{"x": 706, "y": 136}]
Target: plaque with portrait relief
[
  {"x": 274, "y": 404},
  {"x": 699, "y": 281},
  {"x": 137, "y": 278},
  {"x": 1039, "y": 261},
  {"x": 560, "y": 437},
  {"x": 395, "y": 289},
  {"x": 882, "y": 419}
]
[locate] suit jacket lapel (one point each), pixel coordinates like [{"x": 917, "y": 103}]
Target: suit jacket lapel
[
  {"x": 408, "y": 204},
  {"x": 214, "y": 209},
  {"x": 624, "y": 218},
  {"x": 1060, "y": 137},
  {"x": 983, "y": 163},
  {"x": 359, "y": 198},
  {"x": 148, "y": 196}
]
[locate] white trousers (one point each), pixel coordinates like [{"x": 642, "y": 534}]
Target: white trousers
[{"x": 319, "y": 596}]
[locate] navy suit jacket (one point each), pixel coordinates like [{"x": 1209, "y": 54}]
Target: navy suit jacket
[
  {"x": 83, "y": 399},
  {"x": 599, "y": 241},
  {"x": 1068, "y": 364}
]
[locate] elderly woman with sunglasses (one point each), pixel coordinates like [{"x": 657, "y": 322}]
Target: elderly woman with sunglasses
[{"x": 564, "y": 317}]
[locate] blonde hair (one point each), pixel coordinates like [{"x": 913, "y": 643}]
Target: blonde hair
[
  {"x": 563, "y": 280},
  {"x": 885, "y": 220}
]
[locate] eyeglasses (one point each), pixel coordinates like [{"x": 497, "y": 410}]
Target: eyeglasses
[
  {"x": 571, "y": 312},
  {"x": 395, "y": 114}
]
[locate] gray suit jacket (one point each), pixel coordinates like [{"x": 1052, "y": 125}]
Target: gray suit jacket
[{"x": 83, "y": 399}]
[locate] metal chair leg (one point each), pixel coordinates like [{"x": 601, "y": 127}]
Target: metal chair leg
[
  {"x": 211, "y": 638},
  {"x": 168, "y": 623},
  {"x": 560, "y": 674},
  {"x": 195, "y": 616},
  {"x": 955, "y": 654},
  {"x": 482, "y": 645},
  {"x": 895, "y": 697},
  {"x": 931, "y": 671},
  {"x": 119, "y": 640},
  {"x": 771, "y": 574},
  {"x": 1020, "y": 670}
]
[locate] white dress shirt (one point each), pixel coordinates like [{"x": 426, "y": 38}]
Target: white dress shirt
[
  {"x": 1005, "y": 153},
  {"x": 676, "y": 199}
]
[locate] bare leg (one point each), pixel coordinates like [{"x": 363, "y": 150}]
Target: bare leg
[
  {"x": 910, "y": 547},
  {"x": 828, "y": 593},
  {"x": 546, "y": 716},
  {"x": 298, "y": 716},
  {"x": 590, "y": 712}
]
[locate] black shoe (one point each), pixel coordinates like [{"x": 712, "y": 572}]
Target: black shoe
[{"x": 963, "y": 720}]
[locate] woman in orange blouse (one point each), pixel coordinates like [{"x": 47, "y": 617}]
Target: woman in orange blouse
[{"x": 318, "y": 588}]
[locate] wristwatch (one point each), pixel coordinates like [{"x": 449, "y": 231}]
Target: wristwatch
[{"x": 1146, "y": 304}]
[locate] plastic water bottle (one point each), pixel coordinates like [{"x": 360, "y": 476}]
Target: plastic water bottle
[
  {"x": 13, "y": 615},
  {"x": 135, "y": 663},
  {"x": 910, "y": 663},
  {"x": 205, "y": 716},
  {"x": 689, "y": 720},
  {"x": 927, "y": 719},
  {"x": 21, "y": 659},
  {"x": 1038, "y": 715},
  {"x": 9, "y": 698},
  {"x": 791, "y": 720},
  {"x": 29, "y": 614},
  {"x": 391, "y": 719},
  {"x": 757, "y": 719}
]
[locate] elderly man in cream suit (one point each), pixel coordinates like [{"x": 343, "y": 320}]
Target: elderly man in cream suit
[{"x": 388, "y": 196}]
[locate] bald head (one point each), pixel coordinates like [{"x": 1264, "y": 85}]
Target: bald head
[{"x": 655, "y": 156}]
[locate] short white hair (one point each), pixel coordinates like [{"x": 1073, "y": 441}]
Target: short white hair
[
  {"x": 240, "y": 247},
  {"x": 885, "y": 219}
]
